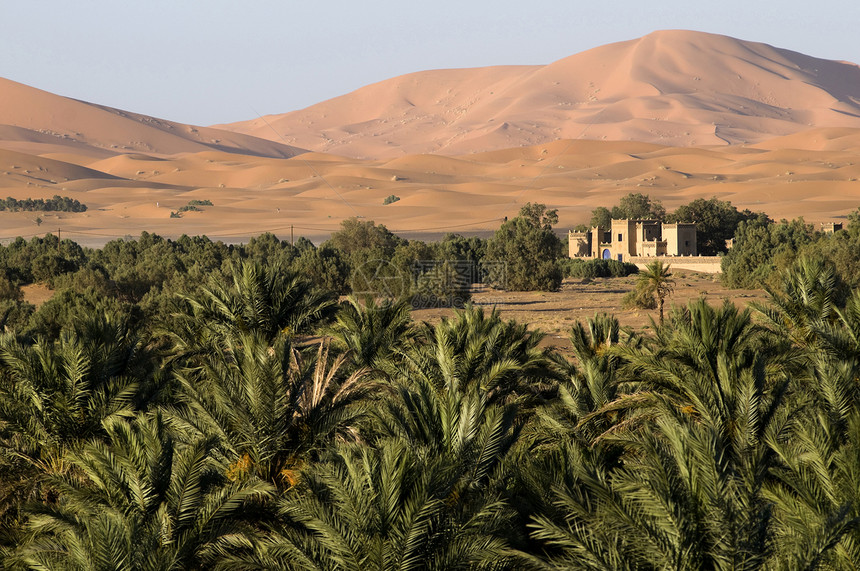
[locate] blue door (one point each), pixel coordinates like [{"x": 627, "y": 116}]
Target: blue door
[
  {"x": 607, "y": 255},
  {"x": 620, "y": 257}
]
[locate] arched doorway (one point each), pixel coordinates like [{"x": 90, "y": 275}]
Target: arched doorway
[{"x": 607, "y": 255}]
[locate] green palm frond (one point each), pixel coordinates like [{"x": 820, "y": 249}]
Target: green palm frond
[{"x": 141, "y": 500}]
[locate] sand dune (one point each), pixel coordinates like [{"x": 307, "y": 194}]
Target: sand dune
[
  {"x": 815, "y": 174},
  {"x": 32, "y": 120},
  {"x": 676, "y": 88}
]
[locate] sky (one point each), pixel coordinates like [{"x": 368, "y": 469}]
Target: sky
[{"x": 222, "y": 61}]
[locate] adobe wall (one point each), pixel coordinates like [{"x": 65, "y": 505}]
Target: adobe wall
[{"x": 704, "y": 264}]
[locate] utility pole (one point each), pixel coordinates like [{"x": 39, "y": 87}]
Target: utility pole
[{"x": 291, "y": 236}]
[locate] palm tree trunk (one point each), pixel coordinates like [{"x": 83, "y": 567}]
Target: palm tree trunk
[{"x": 660, "y": 304}]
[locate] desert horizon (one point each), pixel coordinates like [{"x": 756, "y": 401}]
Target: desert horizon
[{"x": 677, "y": 115}]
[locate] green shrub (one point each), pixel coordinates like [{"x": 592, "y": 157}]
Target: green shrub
[
  {"x": 390, "y": 198},
  {"x": 55, "y": 204},
  {"x": 597, "y": 268},
  {"x": 524, "y": 253},
  {"x": 639, "y": 298}
]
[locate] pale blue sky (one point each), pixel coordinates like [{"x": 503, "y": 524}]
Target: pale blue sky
[{"x": 220, "y": 61}]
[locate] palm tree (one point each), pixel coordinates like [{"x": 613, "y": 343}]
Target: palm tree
[
  {"x": 271, "y": 407},
  {"x": 393, "y": 507},
  {"x": 693, "y": 489},
  {"x": 818, "y": 484},
  {"x": 267, "y": 299},
  {"x": 597, "y": 383},
  {"x": 567, "y": 443},
  {"x": 372, "y": 331},
  {"x": 656, "y": 280},
  {"x": 503, "y": 358},
  {"x": 462, "y": 390},
  {"x": 804, "y": 304},
  {"x": 843, "y": 338},
  {"x": 140, "y": 500},
  {"x": 56, "y": 395}
]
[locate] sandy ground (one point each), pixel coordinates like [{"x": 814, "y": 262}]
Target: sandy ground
[
  {"x": 815, "y": 175},
  {"x": 554, "y": 313},
  {"x": 37, "y": 294}
]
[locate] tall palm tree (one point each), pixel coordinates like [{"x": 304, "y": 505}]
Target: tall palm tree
[
  {"x": 656, "y": 280},
  {"x": 271, "y": 407},
  {"x": 142, "y": 501},
  {"x": 391, "y": 507}
]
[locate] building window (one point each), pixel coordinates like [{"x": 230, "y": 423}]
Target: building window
[
  {"x": 686, "y": 242},
  {"x": 619, "y": 237}
]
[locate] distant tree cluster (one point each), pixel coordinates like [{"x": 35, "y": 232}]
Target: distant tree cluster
[
  {"x": 763, "y": 249},
  {"x": 526, "y": 252},
  {"x": 633, "y": 206},
  {"x": 716, "y": 220},
  {"x": 55, "y": 204}
]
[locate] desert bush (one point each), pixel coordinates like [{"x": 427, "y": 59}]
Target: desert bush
[
  {"x": 639, "y": 298},
  {"x": 597, "y": 268},
  {"x": 9, "y": 290}
]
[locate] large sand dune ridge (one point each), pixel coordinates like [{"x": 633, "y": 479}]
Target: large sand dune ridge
[{"x": 673, "y": 87}]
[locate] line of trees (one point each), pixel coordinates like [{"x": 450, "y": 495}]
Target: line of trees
[
  {"x": 260, "y": 423},
  {"x": 56, "y": 204}
]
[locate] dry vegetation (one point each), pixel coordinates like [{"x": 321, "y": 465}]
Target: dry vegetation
[{"x": 554, "y": 313}]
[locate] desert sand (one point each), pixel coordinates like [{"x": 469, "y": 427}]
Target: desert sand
[
  {"x": 675, "y": 87},
  {"x": 675, "y": 115}
]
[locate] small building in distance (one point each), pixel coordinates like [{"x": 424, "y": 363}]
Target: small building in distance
[
  {"x": 831, "y": 227},
  {"x": 626, "y": 239}
]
